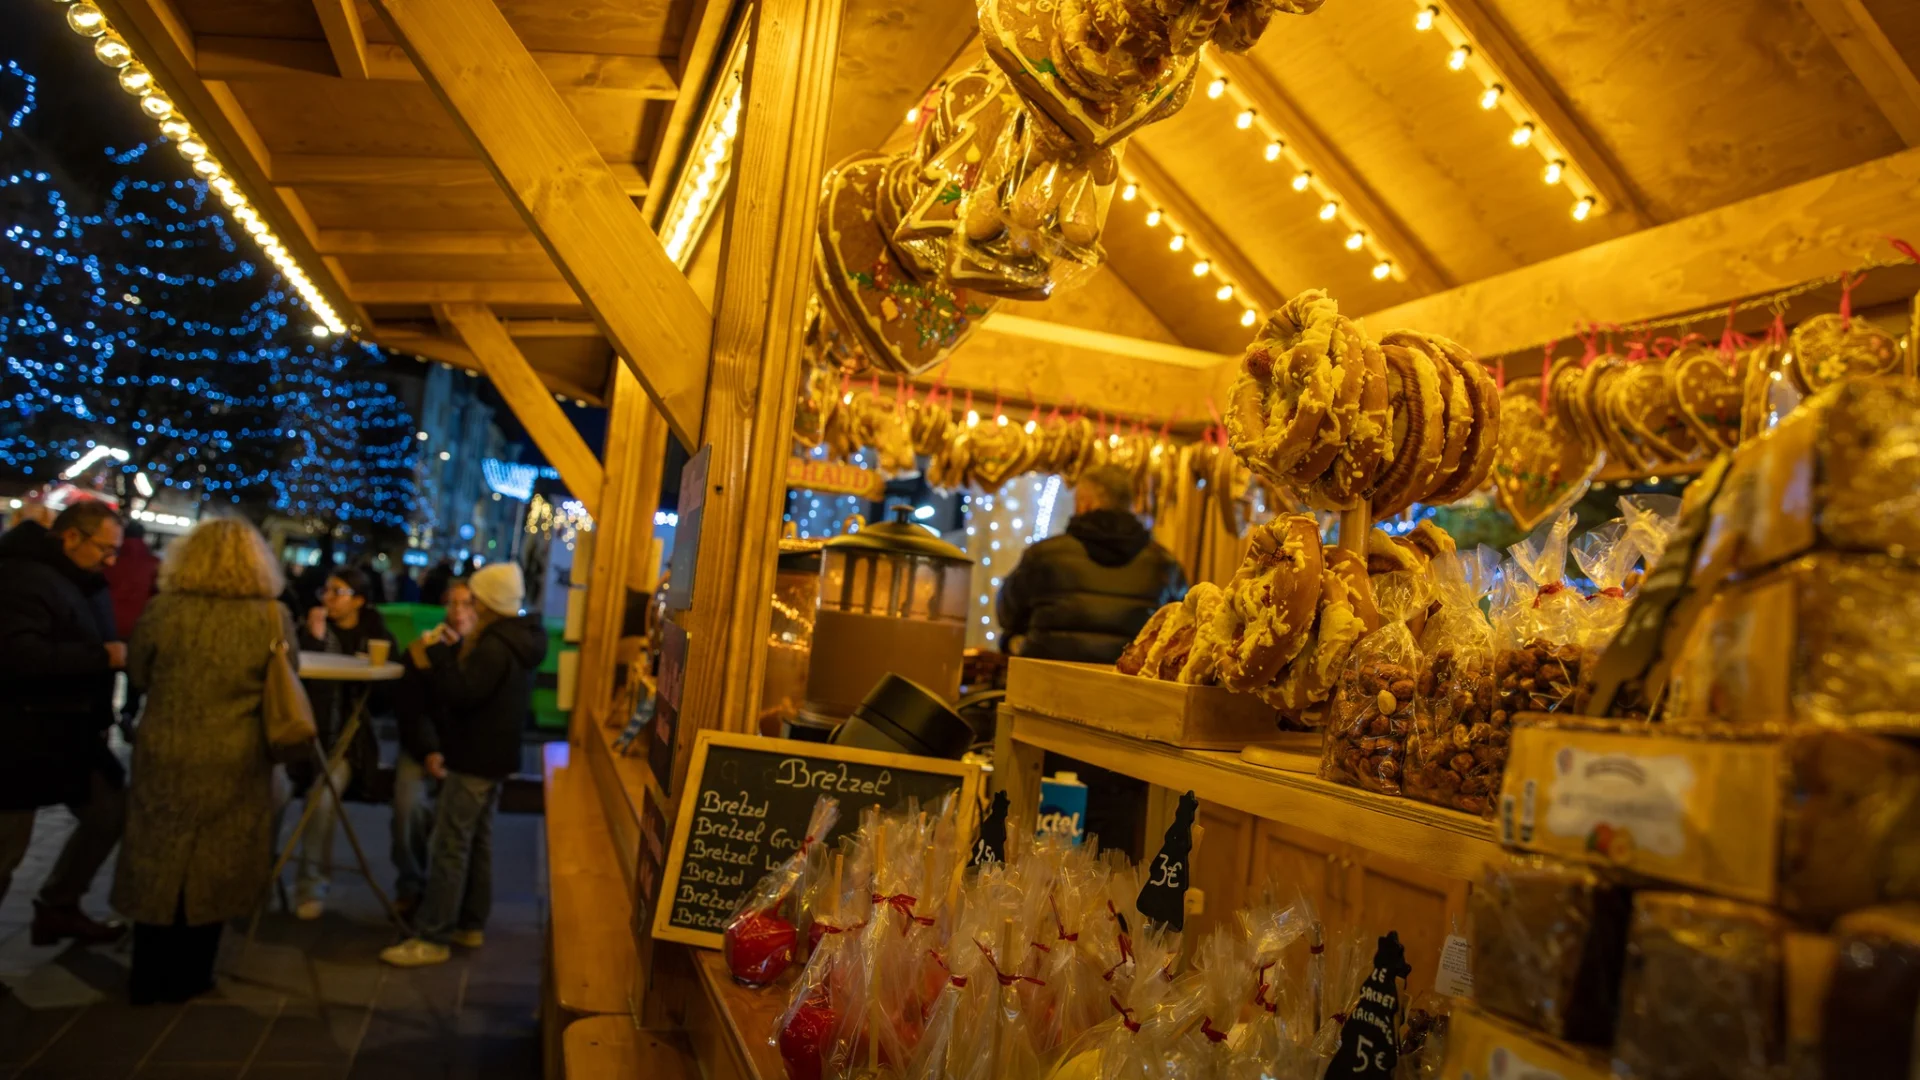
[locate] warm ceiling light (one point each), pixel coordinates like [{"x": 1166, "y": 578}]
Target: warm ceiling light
[
  {"x": 1177, "y": 242},
  {"x": 1200, "y": 268},
  {"x": 1127, "y": 193},
  {"x": 1153, "y": 217},
  {"x": 191, "y": 148},
  {"x": 1224, "y": 292},
  {"x": 1216, "y": 88},
  {"x": 1273, "y": 150},
  {"x": 1302, "y": 179},
  {"x": 1382, "y": 270},
  {"x": 1583, "y": 208},
  {"x": 1244, "y": 120},
  {"x": 1491, "y": 96},
  {"x": 1457, "y": 59},
  {"x": 86, "y": 19},
  {"x": 1522, "y": 135},
  {"x": 135, "y": 79},
  {"x": 175, "y": 128},
  {"x": 1554, "y": 171},
  {"x": 156, "y": 104},
  {"x": 1328, "y": 210},
  {"x": 1356, "y": 240},
  {"x": 112, "y": 51},
  {"x": 1424, "y": 20},
  {"x": 913, "y": 115},
  {"x": 1247, "y": 317}
]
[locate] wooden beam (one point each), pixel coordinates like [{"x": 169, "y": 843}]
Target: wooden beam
[
  {"x": 346, "y": 38},
  {"x": 1874, "y": 60},
  {"x": 1813, "y": 229},
  {"x": 551, "y": 328},
  {"x": 553, "y": 293},
  {"x": 1207, "y": 235},
  {"x": 700, "y": 48},
  {"x": 1033, "y": 362},
  {"x": 1332, "y": 167},
  {"x": 241, "y": 59},
  {"x": 402, "y": 242},
  {"x": 162, "y": 40},
  {"x": 445, "y": 350},
  {"x": 761, "y": 301},
  {"x": 412, "y": 171},
  {"x": 524, "y": 393},
  {"x": 565, "y": 192},
  {"x": 1525, "y": 84}
]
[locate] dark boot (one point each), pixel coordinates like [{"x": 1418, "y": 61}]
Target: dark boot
[{"x": 52, "y": 924}]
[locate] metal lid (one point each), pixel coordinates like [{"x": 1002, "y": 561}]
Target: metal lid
[{"x": 901, "y": 536}]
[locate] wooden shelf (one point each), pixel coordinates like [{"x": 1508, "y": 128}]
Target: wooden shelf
[
  {"x": 1444, "y": 841},
  {"x": 728, "y": 1024}
]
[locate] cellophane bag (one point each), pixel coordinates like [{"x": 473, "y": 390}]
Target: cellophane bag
[
  {"x": 1607, "y": 555},
  {"x": 1423, "y": 1042},
  {"x": 1537, "y": 619},
  {"x": 1705, "y": 991},
  {"x": 1275, "y": 1041},
  {"x": 1457, "y": 752},
  {"x": 808, "y": 1029},
  {"x": 1347, "y": 962},
  {"x": 1371, "y": 712},
  {"x": 762, "y": 939},
  {"x": 1549, "y": 939}
]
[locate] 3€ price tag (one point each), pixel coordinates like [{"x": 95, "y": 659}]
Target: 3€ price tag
[{"x": 1163, "y": 899}]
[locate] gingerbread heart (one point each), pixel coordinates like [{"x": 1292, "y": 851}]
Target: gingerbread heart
[
  {"x": 997, "y": 453},
  {"x": 1827, "y": 348},
  {"x": 1707, "y": 390},
  {"x": 1647, "y": 404},
  {"x": 1542, "y": 466}
]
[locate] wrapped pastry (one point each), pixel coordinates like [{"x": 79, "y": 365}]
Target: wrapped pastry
[
  {"x": 1372, "y": 708},
  {"x": 1457, "y": 751},
  {"x": 1549, "y": 939},
  {"x": 1704, "y": 993}
]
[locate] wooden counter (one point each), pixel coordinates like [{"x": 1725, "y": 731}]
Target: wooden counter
[{"x": 729, "y": 1024}]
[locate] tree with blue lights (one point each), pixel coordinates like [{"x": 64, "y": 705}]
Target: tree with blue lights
[{"x": 138, "y": 323}]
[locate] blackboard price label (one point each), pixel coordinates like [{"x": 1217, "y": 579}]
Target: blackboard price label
[
  {"x": 1369, "y": 1039},
  {"x": 991, "y": 845},
  {"x": 1163, "y": 899},
  {"x": 746, "y": 807}
]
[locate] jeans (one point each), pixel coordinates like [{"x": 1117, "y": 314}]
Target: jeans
[
  {"x": 314, "y": 873},
  {"x": 102, "y": 818},
  {"x": 459, "y": 892},
  {"x": 412, "y": 826}
]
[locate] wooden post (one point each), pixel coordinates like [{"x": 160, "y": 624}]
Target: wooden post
[
  {"x": 759, "y": 308},
  {"x": 1356, "y": 523},
  {"x": 635, "y": 450}
]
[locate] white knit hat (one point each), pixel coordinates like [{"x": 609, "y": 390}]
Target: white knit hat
[{"x": 500, "y": 587}]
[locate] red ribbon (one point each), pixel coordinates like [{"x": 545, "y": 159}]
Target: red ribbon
[
  {"x": 959, "y": 981},
  {"x": 1546, "y": 375},
  {"x": 1904, "y": 248},
  {"x": 1500, "y": 374},
  {"x": 1261, "y": 985},
  {"x": 1167, "y": 425},
  {"x": 1126, "y": 1015},
  {"x": 902, "y": 903},
  {"x": 1316, "y": 950},
  {"x": 1591, "y": 342},
  {"x": 1126, "y": 943},
  {"x": 1614, "y": 591},
  {"x": 1005, "y": 979},
  {"x": 1777, "y": 330},
  {"x": 1060, "y": 926},
  {"x": 969, "y": 408},
  {"x": 1847, "y": 282},
  {"x": 1212, "y": 1033},
  {"x": 1731, "y": 340},
  {"x": 1548, "y": 590}
]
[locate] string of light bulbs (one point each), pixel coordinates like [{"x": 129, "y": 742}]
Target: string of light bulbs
[
  {"x": 1132, "y": 191},
  {"x": 87, "y": 20},
  {"x": 1496, "y": 93}
]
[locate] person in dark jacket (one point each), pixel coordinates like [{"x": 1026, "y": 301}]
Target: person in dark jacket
[
  {"x": 1083, "y": 595},
  {"x": 132, "y": 579},
  {"x": 421, "y": 765},
  {"x": 485, "y": 683},
  {"x": 59, "y": 650}
]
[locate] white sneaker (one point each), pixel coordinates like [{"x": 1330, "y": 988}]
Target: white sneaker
[
  {"x": 468, "y": 939},
  {"x": 415, "y": 952},
  {"x": 309, "y": 910}
]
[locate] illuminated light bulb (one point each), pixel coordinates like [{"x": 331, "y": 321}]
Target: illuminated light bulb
[
  {"x": 86, "y": 19},
  {"x": 1457, "y": 59},
  {"x": 191, "y": 148},
  {"x": 846, "y": 398},
  {"x": 1216, "y": 88},
  {"x": 1302, "y": 179},
  {"x": 1382, "y": 270},
  {"x": 1224, "y": 292},
  {"x": 1328, "y": 210},
  {"x": 1153, "y": 218},
  {"x": 1200, "y": 268},
  {"x": 1127, "y": 193},
  {"x": 973, "y": 418},
  {"x": 1522, "y": 135},
  {"x": 1273, "y": 150},
  {"x": 1583, "y": 208},
  {"x": 1424, "y": 20},
  {"x": 175, "y": 128},
  {"x": 135, "y": 79},
  {"x": 110, "y": 50},
  {"x": 913, "y": 115},
  {"x": 1491, "y": 96},
  {"x": 1554, "y": 170},
  {"x": 156, "y": 104},
  {"x": 1176, "y": 243},
  {"x": 1031, "y": 426},
  {"x": 1356, "y": 240},
  {"x": 1244, "y": 120},
  {"x": 256, "y": 227},
  {"x": 245, "y": 214},
  {"x": 1247, "y": 317},
  {"x": 321, "y": 331},
  {"x": 206, "y": 168},
  {"x": 232, "y": 196}
]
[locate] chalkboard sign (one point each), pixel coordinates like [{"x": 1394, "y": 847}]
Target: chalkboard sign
[{"x": 745, "y": 806}]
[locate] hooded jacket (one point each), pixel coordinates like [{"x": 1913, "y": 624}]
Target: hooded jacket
[
  {"x": 56, "y": 686},
  {"x": 485, "y": 697},
  {"x": 1083, "y": 595}
]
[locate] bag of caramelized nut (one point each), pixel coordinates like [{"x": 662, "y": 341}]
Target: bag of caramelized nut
[
  {"x": 1537, "y": 628},
  {"x": 1456, "y": 753},
  {"x": 1372, "y": 707}
]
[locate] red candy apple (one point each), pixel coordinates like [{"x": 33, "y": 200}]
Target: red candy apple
[{"x": 759, "y": 946}]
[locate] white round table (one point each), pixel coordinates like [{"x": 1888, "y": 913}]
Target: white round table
[{"x": 333, "y": 667}]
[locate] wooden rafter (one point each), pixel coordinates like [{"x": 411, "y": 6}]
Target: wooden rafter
[
  {"x": 699, "y": 50},
  {"x": 1865, "y": 47},
  {"x": 412, "y": 171},
  {"x": 566, "y": 194},
  {"x": 424, "y": 242},
  {"x": 527, "y": 396},
  {"x": 1207, "y": 235},
  {"x": 437, "y": 347},
  {"x": 243, "y": 59},
  {"x": 162, "y": 40},
  {"x": 346, "y": 38},
  {"x": 1332, "y": 167},
  {"x": 1810, "y": 230},
  {"x": 548, "y": 293}
]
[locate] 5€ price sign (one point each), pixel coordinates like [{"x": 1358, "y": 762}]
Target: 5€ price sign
[{"x": 1369, "y": 1039}]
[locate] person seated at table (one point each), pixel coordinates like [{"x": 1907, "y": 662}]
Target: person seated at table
[
  {"x": 485, "y": 683},
  {"x": 421, "y": 765},
  {"x": 343, "y": 624}
]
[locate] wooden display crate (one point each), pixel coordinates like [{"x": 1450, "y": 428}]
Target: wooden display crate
[{"x": 1098, "y": 696}]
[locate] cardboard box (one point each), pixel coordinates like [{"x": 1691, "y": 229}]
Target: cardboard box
[
  {"x": 1480, "y": 1047},
  {"x": 1818, "y": 822}
]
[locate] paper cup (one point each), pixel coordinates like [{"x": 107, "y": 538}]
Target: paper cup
[{"x": 377, "y": 651}]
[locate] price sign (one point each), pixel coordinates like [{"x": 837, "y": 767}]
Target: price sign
[
  {"x": 991, "y": 845},
  {"x": 1369, "y": 1039},
  {"x": 1163, "y": 899}
]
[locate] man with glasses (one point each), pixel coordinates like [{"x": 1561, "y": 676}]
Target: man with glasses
[{"x": 58, "y": 654}]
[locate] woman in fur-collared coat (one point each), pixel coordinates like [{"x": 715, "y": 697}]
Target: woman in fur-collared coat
[{"x": 200, "y": 805}]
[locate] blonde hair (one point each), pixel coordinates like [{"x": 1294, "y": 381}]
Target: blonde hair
[{"x": 222, "y": 557}]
